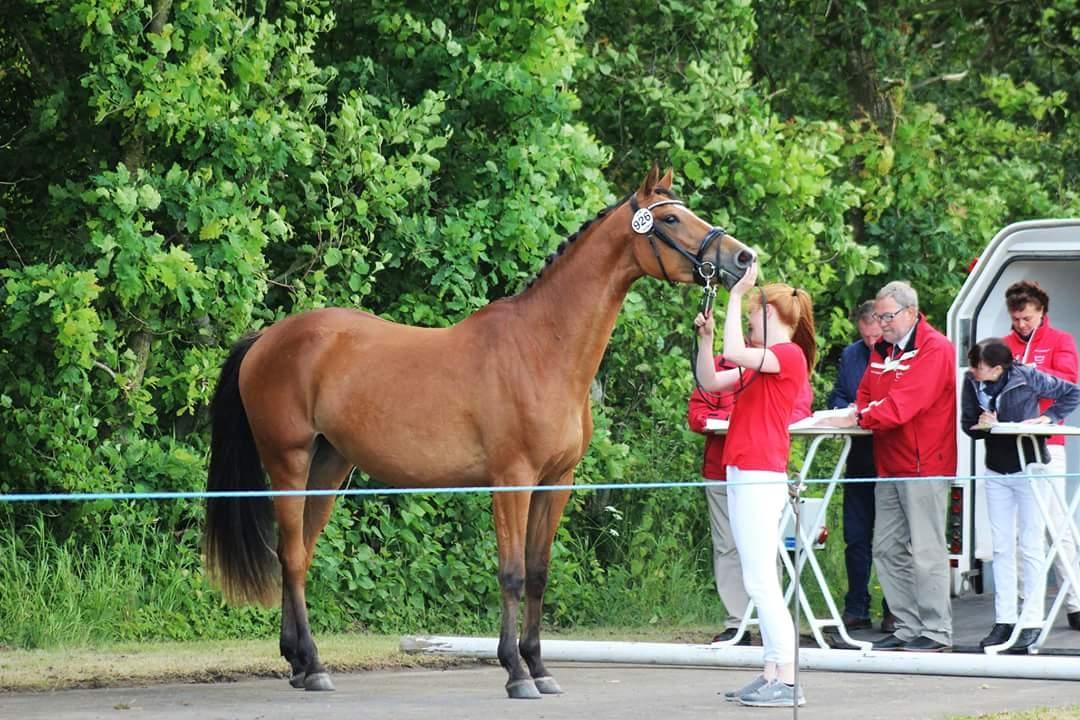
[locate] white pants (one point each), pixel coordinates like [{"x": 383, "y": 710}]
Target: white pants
[
  {"x": 1067, "y": 549},
  {"x": 1009, "y": 499},
  {"x": 755, "y": 509}
]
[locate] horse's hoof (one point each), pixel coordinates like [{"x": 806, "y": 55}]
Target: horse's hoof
[
  {"x": 297, "y": 680},
  {"x": 522, "y": 690},
  {"x": 547, "y": 685},
  {"x": 318, "y": 681}
]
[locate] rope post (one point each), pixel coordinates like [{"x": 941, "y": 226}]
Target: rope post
[{"x": 796, "y": 492}]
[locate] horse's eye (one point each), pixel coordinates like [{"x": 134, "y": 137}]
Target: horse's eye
[{"x": 671, "y": 219}]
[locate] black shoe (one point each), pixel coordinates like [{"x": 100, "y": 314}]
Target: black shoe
[
  {"x": 925, "y": 644},
  {"x": 889, "y": 643},
  {"x": 998, "y": 634},
  {"x": 855, "y": 623},
  {"x": 729, "y": 634},
  {"x": 888, "y": 623},
  {"x": 1025, "y": 640},
  {"x": 1074, "y": 620}
]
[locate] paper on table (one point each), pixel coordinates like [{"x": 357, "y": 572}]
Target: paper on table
[
  {"x": 1018, "y": 427},
  {"x": 819, "y": 415},
  {"x": 807, "y": 422},
  {"x": 834, "y": 413}
]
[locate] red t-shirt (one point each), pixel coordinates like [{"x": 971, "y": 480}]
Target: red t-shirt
[{"x": 758, "y": 437}]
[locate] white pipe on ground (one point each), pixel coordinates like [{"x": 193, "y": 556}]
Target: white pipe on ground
[{"x": 1031, "y": 667}]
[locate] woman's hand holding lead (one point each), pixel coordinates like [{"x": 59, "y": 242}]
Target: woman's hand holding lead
[{"x": 705, "y": 324}]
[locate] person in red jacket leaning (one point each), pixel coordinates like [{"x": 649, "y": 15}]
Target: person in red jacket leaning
[
  {"x": 908, "y": 399},
  {"x": 727, "y": 571},
  {"x": 1035, "y": 343}
]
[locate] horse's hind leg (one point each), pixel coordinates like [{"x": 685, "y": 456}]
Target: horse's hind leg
[
  {"x": 511, "y": 514},
  {"x": 327, "y": 472},
  {"x": 544, "y": 514}
]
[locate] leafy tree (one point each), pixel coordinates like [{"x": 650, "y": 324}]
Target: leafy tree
[
  {"x": 174, "y": 173},
  {"x": 959, "y": 119}
]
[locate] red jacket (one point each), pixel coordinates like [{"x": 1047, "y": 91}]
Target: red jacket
[
  {"x": 704, "y": 405},
  {"x": 1051, "y": 350},
  {"x": 910, "y": 404}
]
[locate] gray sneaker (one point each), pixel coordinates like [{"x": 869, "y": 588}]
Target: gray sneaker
[
  {"x": 773, "y": 694},
  {"x": 753, "y": 686}
]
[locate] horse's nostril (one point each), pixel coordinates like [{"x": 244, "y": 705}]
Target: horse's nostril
[{"x": 744, "y": 259}]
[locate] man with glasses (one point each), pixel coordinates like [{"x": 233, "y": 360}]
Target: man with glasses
[
  {"x": 908, "y": 399},
  {"x": 859, "y": 496}
]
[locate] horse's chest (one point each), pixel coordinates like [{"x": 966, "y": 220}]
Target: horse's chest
[{"x": 565, "y": 439}]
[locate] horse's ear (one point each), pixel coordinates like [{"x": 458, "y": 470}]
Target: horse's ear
[
  {"x": 665, "y": 182},
  {"x": 650, "y": 181}
]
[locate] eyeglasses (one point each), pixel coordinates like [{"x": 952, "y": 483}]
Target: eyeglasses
[{"x": 889, "y": 316}]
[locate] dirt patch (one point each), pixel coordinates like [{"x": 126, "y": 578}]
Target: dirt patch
[
  {"x": 204, "y": 662},
  {"x": 152, "y": 663}
]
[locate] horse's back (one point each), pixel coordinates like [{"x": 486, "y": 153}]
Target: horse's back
[{"x": 395, "y": 400}]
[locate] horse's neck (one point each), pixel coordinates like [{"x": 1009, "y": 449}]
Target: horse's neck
[{"x": 570, "y": 311}]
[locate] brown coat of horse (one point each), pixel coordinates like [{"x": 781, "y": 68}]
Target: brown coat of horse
[{"x": 500, "y": 399}]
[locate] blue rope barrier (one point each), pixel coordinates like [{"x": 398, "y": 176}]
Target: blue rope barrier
[{"x": 196, "y": 494}]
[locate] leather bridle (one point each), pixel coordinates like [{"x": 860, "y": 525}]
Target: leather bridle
[{"x": 643, "y": 223}]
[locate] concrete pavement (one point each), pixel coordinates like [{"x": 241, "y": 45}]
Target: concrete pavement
[{"x": 596, "y": 692}]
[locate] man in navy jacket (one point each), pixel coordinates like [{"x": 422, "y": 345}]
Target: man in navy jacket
[{"x": 858, "y": 497}]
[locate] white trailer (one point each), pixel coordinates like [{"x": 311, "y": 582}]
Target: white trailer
[{"x": 1047, "y": 251}]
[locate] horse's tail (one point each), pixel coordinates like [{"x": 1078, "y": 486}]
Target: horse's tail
[{"x": 238, "y": 538}]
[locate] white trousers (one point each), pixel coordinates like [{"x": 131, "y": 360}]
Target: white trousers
[
  {"x": 1010, "y": 500},
  {"x": 1067, "y": 549},
  {"x": 756, "y": 502}
]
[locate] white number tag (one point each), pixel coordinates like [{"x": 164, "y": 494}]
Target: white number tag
[{"x": 642, "y": 222}]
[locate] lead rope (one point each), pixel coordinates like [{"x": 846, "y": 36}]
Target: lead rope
[
  {"x": 796, "y": 490},
  {"x": 706, "y": 305}
]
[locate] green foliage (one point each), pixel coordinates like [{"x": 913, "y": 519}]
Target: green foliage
[
  {"x": 948, "y": 135},
  {"x": 175, "y": 174},
  {"x": 132, "y": 583}
]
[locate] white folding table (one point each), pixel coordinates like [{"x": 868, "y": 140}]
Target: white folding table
[
  {"x": 808, "y": 529},
  {"x": 1030, "y": 433}
]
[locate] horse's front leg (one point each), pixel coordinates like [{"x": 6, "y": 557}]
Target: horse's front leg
[
  {"x": 511, "y": 511},
  {"x": 544, "y": 513}
]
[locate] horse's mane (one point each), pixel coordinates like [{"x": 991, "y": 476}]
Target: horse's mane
[{"x": 566, "y": 243}]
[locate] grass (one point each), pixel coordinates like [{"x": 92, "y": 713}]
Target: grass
[
  {"x": 1062, "y": 713},
  {"x": 146, "y": 663},
  {"x": 124, "y": 664}
]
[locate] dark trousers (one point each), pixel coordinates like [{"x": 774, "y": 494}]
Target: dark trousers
[{"x": 858, "y": 533}]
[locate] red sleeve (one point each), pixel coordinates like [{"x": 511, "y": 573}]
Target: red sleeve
[
  {"x": 912, "y": 393},
  {"x": 1064, "y": 364},
  {"x": 803, "y": 403},
  {"x": 862, "y": 395},
  {"x": 792, "y": 361},
  {"x": 704, "y": 405}
]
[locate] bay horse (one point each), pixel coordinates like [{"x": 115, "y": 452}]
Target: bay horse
[{"x": 500, "y": 399}]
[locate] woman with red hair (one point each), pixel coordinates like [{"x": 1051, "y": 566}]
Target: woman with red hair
[{"x": 770, "y": 373}]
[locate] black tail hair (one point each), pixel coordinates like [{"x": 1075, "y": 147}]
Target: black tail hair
[{"x": 238, "y": 537}]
